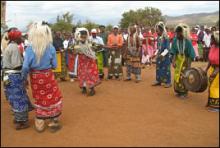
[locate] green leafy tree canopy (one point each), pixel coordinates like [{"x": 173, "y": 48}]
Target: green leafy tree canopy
[{"x": 148, "y": 16}]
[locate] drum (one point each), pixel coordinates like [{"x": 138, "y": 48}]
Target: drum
[
  {"x": 58, "y": 69},
  {"x": 195, "y": 79}
]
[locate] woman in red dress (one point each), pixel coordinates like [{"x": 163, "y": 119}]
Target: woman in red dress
[{"x": 87, "y": 67}]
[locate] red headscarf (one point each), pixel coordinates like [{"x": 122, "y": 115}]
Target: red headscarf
[{"x": 14, "y": 35}]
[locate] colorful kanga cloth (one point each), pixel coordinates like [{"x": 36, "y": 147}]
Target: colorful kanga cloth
[
  {"x": 184, "y": 52},
  {"x": 47, "y": 95},
  {"x": 72, "y": 64},
  {"x": 163, "y": 73},
  {"x": 213, "y": 98},
  {"x": 214, "y": 55},
  {"x": 182, "y": 63},
  {"x": 87, "y": 72},
  {"x": 17, "y": 96}
]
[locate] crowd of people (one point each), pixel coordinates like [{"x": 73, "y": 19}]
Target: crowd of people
[{"x": 83, "y": 54}]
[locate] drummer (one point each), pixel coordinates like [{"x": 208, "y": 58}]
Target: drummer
[
  {"x": 58, "y": 44},
  {"x": 182, "y": 54},
  {"x": 213, "y": 72},
  {"x": 99, "y": 53},
  {"x": 115, "y": 43}
]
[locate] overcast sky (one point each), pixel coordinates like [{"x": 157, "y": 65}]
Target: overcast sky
[{"x": 19, "y": 13}]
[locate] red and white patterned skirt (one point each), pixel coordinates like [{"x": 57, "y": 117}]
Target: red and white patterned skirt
[
  {"x": 45, "y": 91},
  {"x": 71, "y": 61},
  {"x": 88, "y": 72}
]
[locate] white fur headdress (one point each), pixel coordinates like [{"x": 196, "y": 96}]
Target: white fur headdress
[
  {"x": 40, "y": 37},
  {"x": 162, "y": 25},
  {"x": 78, "y": 35},
  {"x": 186, "y": 30}
]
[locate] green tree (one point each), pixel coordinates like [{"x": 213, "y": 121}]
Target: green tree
[
  {"x": 148, "y": 16},
  {"x": 64, "y": 23},
  {"x": 90, "y": 25},
  {"x": 109, "y": 27}
]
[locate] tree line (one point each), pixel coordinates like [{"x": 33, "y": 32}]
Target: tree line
[{"x": 147, "y": 16}]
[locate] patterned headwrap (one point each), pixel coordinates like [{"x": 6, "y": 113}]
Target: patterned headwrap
[
  {"x": 14, "y": 35},
  {"x": 161, "y": 25},
  {"x": 185, "y": 29}
]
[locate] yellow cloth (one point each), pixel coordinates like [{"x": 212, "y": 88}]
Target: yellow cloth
[
  {"x": 179, "y": 64},
  {"x": 58, "y": 69},
  {"x": 214, "y": 86}
]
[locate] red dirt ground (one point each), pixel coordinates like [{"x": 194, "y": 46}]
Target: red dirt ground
[{"x": 122, "y": 114}]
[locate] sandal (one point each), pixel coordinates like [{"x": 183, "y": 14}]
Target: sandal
[{"x": 39, "y": 125}]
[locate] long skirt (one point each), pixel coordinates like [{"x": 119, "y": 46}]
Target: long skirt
[
  {"x": 213, "y": 98},
  {"x": 47, "y": 95},
  {"x": 115, "y": 63},
  {"x": 99, "y": 56},
  {"x": 163, "y": 73},
  {"x": 182, "y": 63},
  {"x": 87, "y": 72},
  {"x": 133, "y": 66},
  {"x": 62, "y": 65},
  {"x": 72, "y": 64},
  {"x": 17, "y": 96}
]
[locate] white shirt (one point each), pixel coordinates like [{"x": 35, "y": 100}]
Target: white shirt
[
  {"x": 125, "y": 36},
  {"x": 65, "y": 44},
  {"x": 97, "y": 40},
  {"x": 207, "y": 39}
]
